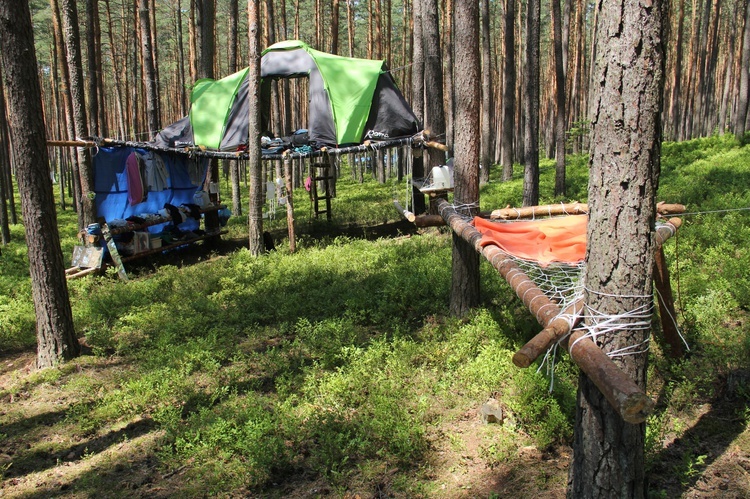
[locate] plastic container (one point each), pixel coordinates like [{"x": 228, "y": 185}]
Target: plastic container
[
  {"x": 442, "y": 177},
  {"x": 155, "y": 242}
]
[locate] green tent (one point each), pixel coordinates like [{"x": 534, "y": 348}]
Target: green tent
[{"x": 350, "y": 100}]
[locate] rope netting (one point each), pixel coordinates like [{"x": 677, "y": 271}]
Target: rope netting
[{"x": 551, "y": 253}]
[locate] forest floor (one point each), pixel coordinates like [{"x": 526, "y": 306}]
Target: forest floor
[
  {"x": 711, "y": 459},
  {"x": 43, "y": 453}
]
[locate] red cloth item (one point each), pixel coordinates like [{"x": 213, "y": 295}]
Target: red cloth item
[
  {"x": 544, "y": 241},
  {"x": 135, "y": 179}
]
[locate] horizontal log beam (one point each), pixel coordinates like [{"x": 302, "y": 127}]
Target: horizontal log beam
[{"x": 575, "y": 208}]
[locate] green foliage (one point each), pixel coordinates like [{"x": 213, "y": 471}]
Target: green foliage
[{"x": 341, "y": 358}]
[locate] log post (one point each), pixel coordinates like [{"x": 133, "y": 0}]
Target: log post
[
  {"x": 664, "y": 298},
  {"x": 289, "y": 202}
]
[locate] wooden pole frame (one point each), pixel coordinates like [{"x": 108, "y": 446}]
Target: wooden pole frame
[{"x": 625, "y": 396}]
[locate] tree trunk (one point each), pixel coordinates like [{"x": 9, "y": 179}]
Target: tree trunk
[
  {"x": 183, "y": 95},
  {"x": 434, "y": 114},
  {"x": 418, "y": 99},
  {"x": 449, "y": 107},
  {"x": 559, "y": 100},
  {"x": 205, "y": 17},
  {"x": 5, "y": 188},
  {"x": 741, "y": 118},
  {"x": 350, "y": 26},
  {"x": 465, "y": 260},
  {"x": 487, "y": 105},
  {"x": 255, "y": 210},
  {"x": 673, "y": 114},
  {"x": 117, "y": 74},
  {"x": 67, "y": 104},
  {"x": 69, "y": 11},
  {"x": 149, "y": 75},
  {"x": 92, "y": 19},
  {"x": 234, "y": 173},
  {"x": 608, "y": 453},
  {"x": 509, "y": 89},
  {"x": 531, "y": 105},
  {"x": 155, "y": 62},
  {"x": 56, "y": 338}
]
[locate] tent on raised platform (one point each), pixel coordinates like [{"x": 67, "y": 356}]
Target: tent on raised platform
[{"x": 350, "y": 101}]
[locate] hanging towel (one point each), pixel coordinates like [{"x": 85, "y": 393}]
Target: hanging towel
[{"x": 136, "y": 192}]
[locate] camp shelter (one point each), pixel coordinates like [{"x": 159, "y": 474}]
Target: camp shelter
[
  {"x": 350, "y": 101},
  {"x": 120, "y": 194}
]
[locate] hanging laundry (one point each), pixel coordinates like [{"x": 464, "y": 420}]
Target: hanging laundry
[
  {"x": 195, "y": 171},
  {"x": 136, "y": 191},
  {"x": 156, "y": 172}
]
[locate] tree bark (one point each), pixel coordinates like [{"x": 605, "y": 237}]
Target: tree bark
[
  {"x": 449, "y": 106},
  {"x": 56, "y": 338},
  {"x": 87, "y": 213},
  {"x": 608, "y": 453},
  {"x": 418, "y": 98},
  {"x": 559, "y": 100},
  {"x": 350, "y": 26},
  {"x": 531, "y": 105},
  {"x": 149, "y": 74},
  {"x": 67, "y": 104},
  {"x": 434, "y": 113},
  {"x": 4, "y": 167},
  {"x": 92, "y": 19},
  {"x": 742, "y": 116},
  {"x": 673, "y": 114},
  {"x": 487, "y": 105},
  {"x": 509, "y": 89},
  {"x": 465, "y": 260},
  {"x": 255, "y": 210}
]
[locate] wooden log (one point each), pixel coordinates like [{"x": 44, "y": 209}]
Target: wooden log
[
  {"x": 575, "y": 208},
  {"x": 559, "y": 327},
  {"x": 436, "y": 145},
  {"x": 665, "y": 300},
  {"x": 625, "y": 396},
  {"x": 289, "y": 203},
  {"x": 82, "y": 273},
  {"x": 539, "y": 211},
  {"x": 429, "y": 221},
  {"x": 404, "y": 212},
  {"x": 666, "y": 230},
  {"x": 71, "y": 143},
  {"x": 556, "y": 329}
]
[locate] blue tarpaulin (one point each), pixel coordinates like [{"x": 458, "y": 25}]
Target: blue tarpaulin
[{"x": 185, "y": 175}]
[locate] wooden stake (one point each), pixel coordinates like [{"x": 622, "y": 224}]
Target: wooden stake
[{"x": 289, "y": 203}]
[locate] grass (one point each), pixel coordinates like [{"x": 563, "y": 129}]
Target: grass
[{"x": 338, "y": 369}]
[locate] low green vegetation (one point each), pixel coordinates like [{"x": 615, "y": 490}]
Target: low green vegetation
[{"x": 340, "y": 364}]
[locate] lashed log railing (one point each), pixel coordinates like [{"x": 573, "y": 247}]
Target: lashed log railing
[{"x": 625, "y": 396}]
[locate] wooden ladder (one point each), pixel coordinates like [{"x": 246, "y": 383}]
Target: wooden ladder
[{"x": 321, "y": 171}]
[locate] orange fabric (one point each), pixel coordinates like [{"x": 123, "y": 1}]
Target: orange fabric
[{"x": 545, "y": 241}]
